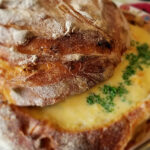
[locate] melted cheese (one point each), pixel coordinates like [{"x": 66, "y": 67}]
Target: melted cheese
[{"x": 76, "y": 114}]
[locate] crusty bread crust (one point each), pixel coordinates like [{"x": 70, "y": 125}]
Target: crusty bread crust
[
  {"x": 27, "y": 133},
  {"x": 62, "y": 47},
  {"x": 141, "y": 136}
]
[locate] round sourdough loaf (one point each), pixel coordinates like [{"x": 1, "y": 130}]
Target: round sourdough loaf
[{"x": 52, "y": 49}]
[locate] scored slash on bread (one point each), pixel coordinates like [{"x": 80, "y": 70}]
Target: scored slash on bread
[{"x": 55, "y": 49}]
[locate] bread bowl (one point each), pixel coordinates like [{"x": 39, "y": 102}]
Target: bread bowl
[{"x": 75, "y": 124}]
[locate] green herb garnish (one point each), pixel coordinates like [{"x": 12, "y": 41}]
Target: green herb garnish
[
  {"x": 108, "y": 93},
  {"x": 110, "y": 90},
  {"x": 121, "y": 90},
  {"x": 106, "y": 103},
  {"x": 136, "y": 61}
]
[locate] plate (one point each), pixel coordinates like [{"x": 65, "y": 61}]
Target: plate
[{"x": 141, "y": 9}]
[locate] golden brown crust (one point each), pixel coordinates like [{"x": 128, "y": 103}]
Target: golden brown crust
[
  {"x": 63, "y": 48},
  {"x": 141, "y": 136}
]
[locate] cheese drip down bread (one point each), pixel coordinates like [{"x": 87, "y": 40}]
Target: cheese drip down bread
[
  {"x": 53, "y": 49},
  {"x": 76, "y": 124}
]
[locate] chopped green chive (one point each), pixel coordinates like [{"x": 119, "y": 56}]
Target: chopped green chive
[{"x": 136, "y": 62}]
